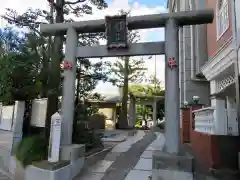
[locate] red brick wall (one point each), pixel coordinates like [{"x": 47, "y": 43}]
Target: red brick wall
[
  {"x": 211, "y": 150},
  {"x": 185, "y": 130},
  {"x": 215, "y": 44},
  {"x": 201, "y": 146},
  {"x": 192, "y": 123},
  {"x": 215, "y": 151},
  {"x": 188, "y": 122}
]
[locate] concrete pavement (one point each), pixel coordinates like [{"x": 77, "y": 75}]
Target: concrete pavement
[
  {"x": 131, "y": 160},
  {"x": 5, "y": 150},
  {"x": 128, "y": 160},
  {"x": 143, "y": 168},
  {"x": 3, "y": 176},
  {"x": 117, "y": 163}
]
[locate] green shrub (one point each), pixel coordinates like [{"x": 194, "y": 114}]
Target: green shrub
[
  {"x": 138, "y": 123},
  {"x": 91, "y": 138},
  {"x": 31, "y": 149},
  {"x": 82, "y": 134},
  {"x": 161, "y": 126}
]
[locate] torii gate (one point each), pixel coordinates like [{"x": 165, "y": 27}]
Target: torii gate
[{"x": 171, "y": 22}]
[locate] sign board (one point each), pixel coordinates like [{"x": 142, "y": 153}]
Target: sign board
[
  {"x": 55, "y": 137},
  {"x": 116, "y": 31},
  {"x": 39, "y": 111}
]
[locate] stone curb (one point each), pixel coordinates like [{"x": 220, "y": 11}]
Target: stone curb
[
  {"x": 122, "y": 139},
  {"x": 92, "y": 159},
  {"x": 114, "y": 139},
  {"x": 6, "y": 174}
]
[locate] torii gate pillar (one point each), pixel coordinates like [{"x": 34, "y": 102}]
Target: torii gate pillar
[
  {"x": 69, "y": 87},
  {"x": 172, "y": 91}
]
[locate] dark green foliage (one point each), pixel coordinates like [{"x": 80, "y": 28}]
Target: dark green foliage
[
  {"x": 161, "y": 126},
  {"x": 31, "y": 149},
  {"x": 31, "y": 68},
  {"x": 148, "y": 92},
  {"x": 82, "y": 134},
  {"x": 89, "y": 137},
  {"x": 50, "y": 77},
  {"x": 20, "y": 64}
]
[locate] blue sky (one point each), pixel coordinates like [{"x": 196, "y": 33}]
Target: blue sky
[
  {"x": 138, "y": 7},
  {"x": 149, "y": 3}
]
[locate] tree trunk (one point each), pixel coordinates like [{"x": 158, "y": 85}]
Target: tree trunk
[
  {"x": 54, "y": 73},
  {"x": 78, "y": 86},
  {"x": 123, "y": 123},
  {"x": 45, "y": 75},
  {"x": 27, "y": 118},
  {"x": 47, "y": 59}
]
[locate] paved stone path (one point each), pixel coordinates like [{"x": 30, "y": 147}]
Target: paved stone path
[
  {"x": 3, "y": 176},
  {"x": 127, "y": 160},
  {"x": 123, "y": 157},
  {"x": 143, "y": 168}
]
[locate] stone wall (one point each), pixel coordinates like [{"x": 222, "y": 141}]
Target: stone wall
[
  {"x": 9, "y": 139},
  {"x": 6, "y": 117}
]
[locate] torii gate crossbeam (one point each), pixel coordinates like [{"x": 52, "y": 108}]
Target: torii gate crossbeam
[{"x": 135, "y": 22}]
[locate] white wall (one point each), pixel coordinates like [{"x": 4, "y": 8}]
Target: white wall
[
  {"x": 6, "y": 117},
  {"x": 237, "y": 11},
  {"x": 237, "y": 8}
]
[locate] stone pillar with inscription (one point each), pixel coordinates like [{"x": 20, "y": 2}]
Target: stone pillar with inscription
[{"x": 55, "y": 138}]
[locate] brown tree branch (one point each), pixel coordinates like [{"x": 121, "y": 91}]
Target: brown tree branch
[
  {"x": 75, "y": 2},
  {"x": 70, "y": 6},
  {"x": 52, "y": 3}
]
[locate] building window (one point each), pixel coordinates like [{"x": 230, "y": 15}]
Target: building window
[{"x": 222, "y": 17}]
